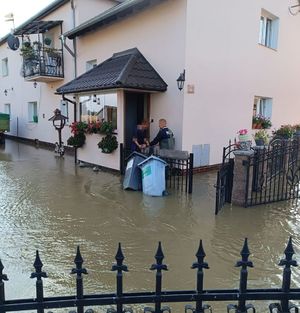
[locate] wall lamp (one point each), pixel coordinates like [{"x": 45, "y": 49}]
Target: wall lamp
[
  {"x": 5, "y": 92},
  {"x": 34, "y": 84},
  {"x": 181, "y": 80}
]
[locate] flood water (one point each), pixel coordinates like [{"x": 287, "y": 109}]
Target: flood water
[{"x": 49, "y": 204}]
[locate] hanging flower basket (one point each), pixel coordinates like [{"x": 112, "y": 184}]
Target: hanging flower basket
[{"x": 108, "y": 144}]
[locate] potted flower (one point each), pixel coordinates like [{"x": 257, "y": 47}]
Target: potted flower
[
  {"x": 77, "y": 140},
  {"x": 266, "y": 123},
  {"x": 256, "y": 122},
  {"x": 261, "y": 137},
  {"x": 244, "y": 142},
  {"x": 108, "y": 144},
  {"x": 285, "y": 131}
]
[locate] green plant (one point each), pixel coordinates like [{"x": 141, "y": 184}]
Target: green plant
[
  {"x": 285, "y": 131},
  {"x": 108, "y": 143},
  {"x": 262, "y": 135},
  {"x": 78, "y": 140},
  {"x": 27, "y": 51},
  {"x": 106, "y": 128}
]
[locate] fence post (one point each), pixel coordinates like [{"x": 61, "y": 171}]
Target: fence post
[
  {"x": 119, "y": 267},
  {"x": 241, "y": 177},
  {"x": 2, "y": 290},
  {"x": 79, "y": 280},
  {"x": 191, "y": 166},
  {"x": 38, "y": 274}
]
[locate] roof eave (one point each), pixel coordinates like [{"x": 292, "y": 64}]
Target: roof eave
[{"x": 112, "y": 15}]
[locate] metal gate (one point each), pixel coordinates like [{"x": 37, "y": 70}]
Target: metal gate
[
  {"x": 225, "y": 178},
  {"x": 273, "y": 173}
]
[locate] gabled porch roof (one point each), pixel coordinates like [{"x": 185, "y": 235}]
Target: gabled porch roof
[{"x": 127, "y": 69}]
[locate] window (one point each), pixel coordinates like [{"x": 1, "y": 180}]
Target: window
[
  {"x": 32, "y": 112},
  {"x": 262, "y": 112},
  {"x": 64, "y": 109},
  {"x": 5, "y": 67},
  {"x": 99, "y": 107},
  {"x": 90, "y": 64},
  {"x": 7, "y": 108},
  {"x": 268, "y": 30}
]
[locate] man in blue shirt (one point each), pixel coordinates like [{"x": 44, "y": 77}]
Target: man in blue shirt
[{"x": 164, "y": 137}]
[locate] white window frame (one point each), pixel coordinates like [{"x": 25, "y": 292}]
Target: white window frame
[
  {"x": 32, "y": 111},
  {"x": 7, "y": 108},
  {"x": 268, "y": 30},
  {"x": 4, "y": 66},
  {"x": 90, "y": 64},
  {"x": 263, "y": 106}
]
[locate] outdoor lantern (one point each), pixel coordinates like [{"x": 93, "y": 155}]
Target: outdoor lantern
[
  {"x": 34, "y": 84},
  {"x": 181, "y": 80},
  {"x": 58, "y": 121},
  {"x": 5, "y": 92}
]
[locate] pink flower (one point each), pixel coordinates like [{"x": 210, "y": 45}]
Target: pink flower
[{"x": 242, "y": 132}]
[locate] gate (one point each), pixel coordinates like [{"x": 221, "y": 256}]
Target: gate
[
  {"x": 273, "y": 173},
  {"x": 225, "y": 178}
]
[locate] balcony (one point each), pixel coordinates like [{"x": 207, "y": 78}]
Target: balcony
[{"x": 42, "y": 64}]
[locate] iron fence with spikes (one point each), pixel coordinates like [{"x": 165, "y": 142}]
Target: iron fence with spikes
[{"x": 199, "y": 297}]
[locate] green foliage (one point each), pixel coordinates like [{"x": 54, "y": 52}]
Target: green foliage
[
  {"x": 106, "y": 128},
  {"x": 78, "y": 140},
  {"x": 108, "y": 143},
  {"x": 262, "y": 135},
  {"x": 285, "y": 131}
]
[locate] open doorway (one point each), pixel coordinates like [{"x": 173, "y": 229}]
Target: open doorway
[{"x": 137, "y": 106}]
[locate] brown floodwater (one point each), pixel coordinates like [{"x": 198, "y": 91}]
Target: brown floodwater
[{"x": 49, "y": 204}]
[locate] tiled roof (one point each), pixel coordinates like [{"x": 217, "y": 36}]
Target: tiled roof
[{"x": 127, "y": 69}]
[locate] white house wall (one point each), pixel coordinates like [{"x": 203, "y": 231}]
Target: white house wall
[
  {"x": 227, "y": 68},
  {"x": 159, "y": 34}
]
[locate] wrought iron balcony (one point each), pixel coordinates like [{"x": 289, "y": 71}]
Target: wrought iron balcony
[{"x": 43, "y": 64}]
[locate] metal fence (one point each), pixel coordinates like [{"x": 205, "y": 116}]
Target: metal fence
[
  {"x": 198, "y": 298},
  {"x": 179, "y": 172},
  {"x": 273, "y": 173}
]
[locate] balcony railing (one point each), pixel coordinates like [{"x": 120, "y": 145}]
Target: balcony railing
[{"x": 45, "y": 64}]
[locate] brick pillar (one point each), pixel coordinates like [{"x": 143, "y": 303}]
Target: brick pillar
[{"x": 240, "y": 177}]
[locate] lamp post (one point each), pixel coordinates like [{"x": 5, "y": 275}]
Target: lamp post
[{"x": 58, "y": 121}]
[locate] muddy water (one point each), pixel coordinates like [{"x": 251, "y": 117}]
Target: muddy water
[{"x": 47, "y": 203}]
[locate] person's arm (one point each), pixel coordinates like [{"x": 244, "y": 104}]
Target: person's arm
[{"x": 157, "y": 139}]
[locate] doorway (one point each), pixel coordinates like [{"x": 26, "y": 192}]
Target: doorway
[{"x": 137, "y": 106}]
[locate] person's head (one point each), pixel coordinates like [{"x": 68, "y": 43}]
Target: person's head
[
  {"x": 162, "y": 123},
  {"x": 145, "y": 124}
]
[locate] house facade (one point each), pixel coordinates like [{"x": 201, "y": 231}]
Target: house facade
[{"x": 238, "y": 59}]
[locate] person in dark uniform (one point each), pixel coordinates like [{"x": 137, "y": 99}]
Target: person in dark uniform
[
  {"x": 139, "y": 140},
  {"x": 164, "y": 137}
]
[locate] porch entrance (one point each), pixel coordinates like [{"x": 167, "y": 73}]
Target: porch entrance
[{"x": 137, "y": 106}]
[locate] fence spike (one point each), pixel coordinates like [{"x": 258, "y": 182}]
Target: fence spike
[
  {"x": 289, "y": 252},
  {"x": 119, "y": 258},
  {"x": 2, "y": 276},
  {"x": 200, "y": 264},
  {"x": 38, "y": 264},
  {"x": 78, "y": 260},
  {"x": 159, "y": 256},
  {"x": 245, "y": 253}
]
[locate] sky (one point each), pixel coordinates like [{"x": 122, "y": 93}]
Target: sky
[{"x": 22, "y": 10}]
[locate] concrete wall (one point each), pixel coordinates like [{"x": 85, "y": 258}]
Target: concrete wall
[{"x": 228, "y": 68}]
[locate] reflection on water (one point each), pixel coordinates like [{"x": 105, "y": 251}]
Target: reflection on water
[{"x": 47, "y": 203}]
